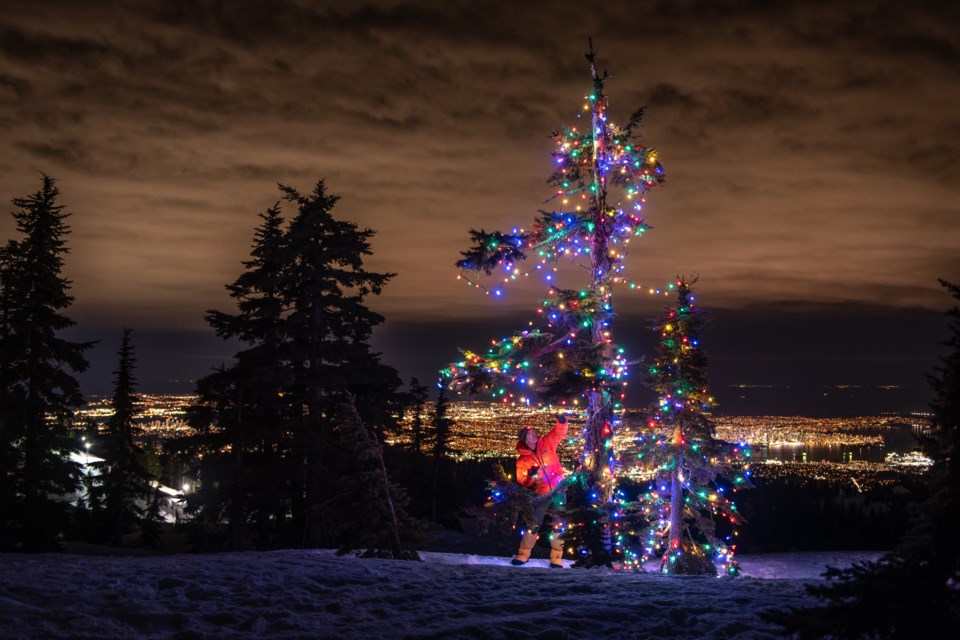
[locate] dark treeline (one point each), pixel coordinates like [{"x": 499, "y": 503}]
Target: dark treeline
[
  {"x": 816, "y": 515},
  {"x": 290, "y": 438},
  {"x": 44, "y": 496}
]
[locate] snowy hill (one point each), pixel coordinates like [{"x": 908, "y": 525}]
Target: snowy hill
[{"x": 315, "y": 594}]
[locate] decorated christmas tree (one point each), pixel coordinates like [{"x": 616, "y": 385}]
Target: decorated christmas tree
[
  {"x": 602, "y": 175},
  {"x": 694, "y": 473}
]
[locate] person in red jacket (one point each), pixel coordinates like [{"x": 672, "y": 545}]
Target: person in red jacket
[{"x": 539, "y": 469}]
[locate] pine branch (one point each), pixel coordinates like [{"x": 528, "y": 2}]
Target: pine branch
[{"x": 492, "y": 250}]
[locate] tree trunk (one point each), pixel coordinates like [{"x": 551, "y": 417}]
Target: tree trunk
[
  {"x": 313, "y": 491},
  {"x": 263, "y": 506},
  {"x": 315, "y": 436},
  {"x": 675, "y": 540},
  {"x": 394, "y": 524},
  {"x": 596, "y": 454}
]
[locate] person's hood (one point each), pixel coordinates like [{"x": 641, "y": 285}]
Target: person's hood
[{"x": 523, "y": 449}]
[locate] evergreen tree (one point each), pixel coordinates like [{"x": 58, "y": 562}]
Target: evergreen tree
[
  {"x": 246, "y": 401},
  {"x": 87, "y": 517},
  {"x": 370, "y": 509},
  {"x": 9, "y": 455},
  {"x": 151, "y": 532},
  {"x": 328, "y": 331},
  {"x": 39, "y": 391},
  {"x": 941, "y": 521},
  {"x": 441, "y": 446},
  {"x": 418, "y": 400},
  {"x": 688, "y": 462},
  {"x": 913, "y": 591},
  {"x": 218, "y": 446},
  {"x": 602, "y": 176},
  {"x": 124, "y": 481},
  {"x": 266, "y": 423}
]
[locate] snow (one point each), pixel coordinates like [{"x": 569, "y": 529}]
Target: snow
[{"x": 316, "y": 594}]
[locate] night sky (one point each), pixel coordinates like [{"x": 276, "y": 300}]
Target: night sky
[{"x": 812, "y": 153}]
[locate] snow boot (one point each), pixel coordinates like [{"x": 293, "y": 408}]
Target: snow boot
[
  {"x": 527, "y": 542},
  {"x": 556, "y": 557}
]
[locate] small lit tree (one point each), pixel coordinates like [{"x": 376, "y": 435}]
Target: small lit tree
[
  {"x": 601, "y": 177},
  {"x": 690, "y": 465}
]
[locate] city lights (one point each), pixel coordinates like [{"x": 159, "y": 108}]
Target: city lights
[{"x": 488, "y": 431}]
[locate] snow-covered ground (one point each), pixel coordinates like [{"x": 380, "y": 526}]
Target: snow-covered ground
[{"x": 315, "y": 594}]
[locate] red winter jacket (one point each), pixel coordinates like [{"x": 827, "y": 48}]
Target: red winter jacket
[{"x": 549, "y": 471}]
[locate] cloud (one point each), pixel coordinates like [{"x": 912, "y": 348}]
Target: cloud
[
  {"x": 68, "y": 152},
  {"x": 808, "y": 146}
]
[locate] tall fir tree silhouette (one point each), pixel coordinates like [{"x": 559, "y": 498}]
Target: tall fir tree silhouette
[
  {"x": 39, "y": 390},
  {"x": 328, "y": 330},
  {"x": 124, "y": 480},
  {"x": 9, "y": 451},
  {"x": 246, "y": 400},
  {"x": 267, "y": 421},
  {"x": 418, "y": 394},
  {"x": 442, "y": 423}
]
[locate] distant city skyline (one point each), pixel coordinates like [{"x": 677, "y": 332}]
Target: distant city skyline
[
  {"x": 865, "y": 451},
  {"x": 810, "y": 151}
]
